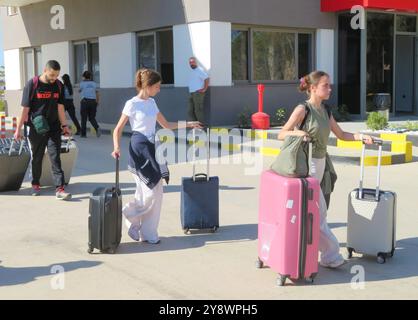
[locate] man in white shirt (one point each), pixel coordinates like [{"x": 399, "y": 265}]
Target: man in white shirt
[{"x": 198, "y": 85}]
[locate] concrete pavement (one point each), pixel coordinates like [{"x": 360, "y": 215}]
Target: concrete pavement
[{"x": 40, "y": 233}]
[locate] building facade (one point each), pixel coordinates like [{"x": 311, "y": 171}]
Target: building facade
[{"x": 241, "y": 43}]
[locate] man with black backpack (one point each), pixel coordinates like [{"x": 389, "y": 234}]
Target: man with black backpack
[{"x": 44, "y": 113}]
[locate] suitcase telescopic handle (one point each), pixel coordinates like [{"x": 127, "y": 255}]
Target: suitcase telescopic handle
[
  {"x": 12, "y": 147},
  {"x": 194, "y": 155},
  {"x": 379, "y": 143},
  {"x": 310, "y": 230},
  {"x": 67, "y": 147},
  {"x": 117, "y": 173},
  {"x": 308, "y": 140}
]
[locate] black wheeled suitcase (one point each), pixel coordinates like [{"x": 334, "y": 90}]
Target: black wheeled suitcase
[
  {"x": 14, "y": 161},
  {"x": 200, "y": 200},
  {"x": 105, "y": 219}
]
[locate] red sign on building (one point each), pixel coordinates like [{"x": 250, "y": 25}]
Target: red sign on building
[{"x": 390, "y": 5}]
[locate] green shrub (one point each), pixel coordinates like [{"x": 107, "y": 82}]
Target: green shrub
[
  {"x": 411, "y": 126},
  {"x": 376, "y": 121},
  {"x": 244, "y": 118}
]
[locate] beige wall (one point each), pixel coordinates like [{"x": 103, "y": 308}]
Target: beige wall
[
  {"x": 95, "y": 18},
  {"x": 282, "y": 13}
]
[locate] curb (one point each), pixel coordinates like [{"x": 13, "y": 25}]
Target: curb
[{"x": 398, "y": 145}]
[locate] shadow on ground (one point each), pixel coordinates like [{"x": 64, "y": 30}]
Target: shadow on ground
[
  {"x": 403, "y": 265},
  {"x": 233, "y": 233},
  {"x": 23, "y": 275}
]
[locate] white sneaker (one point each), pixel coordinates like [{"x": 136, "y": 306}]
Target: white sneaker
[
  {"x": 133, "y": 232},
  {"x": 333, "y": 265}
]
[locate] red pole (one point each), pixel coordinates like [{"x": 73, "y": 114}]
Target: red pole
[{"x": 260, "y": 97}]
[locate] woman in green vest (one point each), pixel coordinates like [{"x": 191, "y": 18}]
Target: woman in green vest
[{"x": 319, "y": 124}]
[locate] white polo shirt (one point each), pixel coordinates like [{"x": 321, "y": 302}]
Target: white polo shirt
[{"x": 197, "y": 79}]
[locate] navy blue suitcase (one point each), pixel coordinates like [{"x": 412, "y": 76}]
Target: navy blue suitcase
[{"x": 200, "y": 201}]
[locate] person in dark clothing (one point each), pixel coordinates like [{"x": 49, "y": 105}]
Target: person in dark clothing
[
  {"x": 69, "y": 102},
  {"x": 44, "y": 113},
  {"x": 88, "y": 106}
]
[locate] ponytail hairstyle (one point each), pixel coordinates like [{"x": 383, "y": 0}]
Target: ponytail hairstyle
[
  {"x": 67, "y": 83},
  {"x": 146, "y": 78},
  {"x": 310, "y": 80}
]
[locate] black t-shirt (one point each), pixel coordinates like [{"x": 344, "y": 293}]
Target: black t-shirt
[{"x": 45, "y": 101}]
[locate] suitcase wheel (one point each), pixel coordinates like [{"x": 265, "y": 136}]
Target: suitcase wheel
[
  {"x": 259, "y": 264},
  {"x": 381, "y": 258},
  {"x": 392, "y": 253},
  {"x": 350, "y": 253},
  {"x": 281, "y": 280},
  {"x": 310, "y": 280},
  {"x": 90, "y": 250},
  {"x": 214, "y": 229}
]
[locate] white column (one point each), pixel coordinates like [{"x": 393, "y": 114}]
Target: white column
[
  {"x": 325, "y": 51},
  {"x": 12, "y": 69},
  {"x": 210, "y": 43},
  {"x": 59, "y": 51},
  {"x": 117, "y": 60},
  {"x": 221, "y": 61}
]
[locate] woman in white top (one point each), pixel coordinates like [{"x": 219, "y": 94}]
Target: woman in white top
[{"x": 143, "y": 213}]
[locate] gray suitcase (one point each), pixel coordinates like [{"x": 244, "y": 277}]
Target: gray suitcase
[
  {"x": 14, "y": 161},
  {"x": 371, "y": 227},
  {"x": 69, "y": 153}
]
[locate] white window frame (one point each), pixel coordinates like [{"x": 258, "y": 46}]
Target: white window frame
[
  {"x": 154, "y": 33},
  {"x": 296, "y": 32},
  {"x": 87, "y": 44},
  {"x": 36, "y": 63},
  {"x": 12, "y": 11}
]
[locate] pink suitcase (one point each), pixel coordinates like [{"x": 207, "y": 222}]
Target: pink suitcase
[{"x": 288, "y": 230}]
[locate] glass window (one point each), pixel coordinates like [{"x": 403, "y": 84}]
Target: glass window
[
  {"x": 349, "y": 58},
  {"x": 86, "y": 58},
  {"x": 406, "y": 23},
  {"x": 146, "y": 49},
  {"x": 239, "y": 47},
  {"x": 304, "y": 54},
  {"x": 274, "y": 56},
  {"x": 38, "y": 62},
  {"x": 94, "y": 61},
  {"x": 165, "y": 56},
  {"x": 29, "y": 64},
  {"x": 156, "y": 51},
  {"x": 80, "y": 60},
  {"x": 380, "y": 38}
]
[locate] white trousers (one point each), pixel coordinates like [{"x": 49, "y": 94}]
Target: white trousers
[
  {"x": 144, "y": 210},
  {"x": 328, "y": 243}
]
